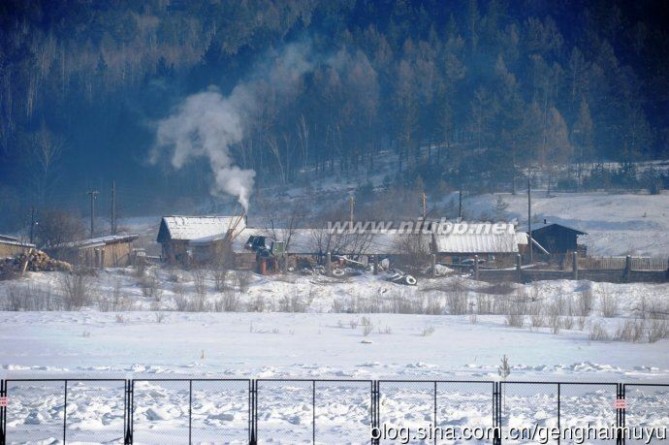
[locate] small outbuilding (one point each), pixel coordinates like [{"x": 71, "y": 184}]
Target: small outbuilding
[
  {"x": 11, "y": 246},
  {"x": 100, "y": 252},
  {"x": 558, "y": 239},
  {"x": 459, "y": 241}
]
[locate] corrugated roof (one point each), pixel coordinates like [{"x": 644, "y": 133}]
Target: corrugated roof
[
  {"x": 100, "y": 241},
  {"x": 10, "y": 241},
  {"x": 477, "y": 238},
  {"x": 314, "y": 241},
  {"x": 201, "y": 228}
]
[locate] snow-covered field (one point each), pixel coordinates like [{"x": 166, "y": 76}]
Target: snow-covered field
[
  {"x": 150, "y": 340},
  {"x": 299, "y": 326}
]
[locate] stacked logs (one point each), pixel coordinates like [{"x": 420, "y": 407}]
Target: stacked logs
[{"x": 34, "y": 260}]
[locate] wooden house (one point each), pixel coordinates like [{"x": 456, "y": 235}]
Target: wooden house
[{"x": 197, "y": 239}]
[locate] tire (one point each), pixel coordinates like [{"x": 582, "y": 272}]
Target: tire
[
  {"x": 338, "y": 272},
  {"x": 410, "y": 280}
]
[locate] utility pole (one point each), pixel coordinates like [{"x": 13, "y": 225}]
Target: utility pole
[
  {"x": 93, "y": 194},
  {"x": 460, "y": 194},
  {"x": 32, "y": 223},
  {"x": 113, "y": 208},
  {"x": 529, "y": 217},
  {"x": 424, "y": 206},
  {"x": 351, "y": 206},
  {"x": 460, "y": 202}
]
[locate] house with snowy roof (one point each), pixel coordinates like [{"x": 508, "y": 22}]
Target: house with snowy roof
[
  {"x": 462, "y": 240},
  {"x": 197, "y": 239}
]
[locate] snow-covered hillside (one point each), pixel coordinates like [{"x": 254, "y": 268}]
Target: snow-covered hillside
[{"x": 628, "y": 224}]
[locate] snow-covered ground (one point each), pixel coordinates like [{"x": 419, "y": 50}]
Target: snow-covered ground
[
  {"x": 309, "y": 327},
  {"x": 334, "y": 335}
]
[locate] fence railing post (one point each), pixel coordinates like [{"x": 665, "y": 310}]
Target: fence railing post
[
  {"x": 497, "y": 413},
  {"x": 190, "y": 411},
  {"x": 313, "y": 412},
  {"x": 128, "y": 415},
  {"x": 620, "y": 414},
  {"x": 559, "y": 407},
  {"x": 375, "y": 410},
  {"x": 476, "y": 267},
  {"x": 65, "y": 415},
  {"x": 434, "y": 420},
  {"x": 253, "y": 412},
  {"x": 3, "y": 412}
]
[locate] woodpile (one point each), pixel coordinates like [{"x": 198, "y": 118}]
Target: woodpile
[{"x": 34, "y": 260}]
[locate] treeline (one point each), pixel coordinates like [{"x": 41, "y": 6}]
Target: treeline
[{"x": 492, "y": 88}]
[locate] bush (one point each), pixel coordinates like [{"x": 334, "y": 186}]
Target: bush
[
  {"x": 457, "y": 303},
  {"x": 608, "y": 304},
  {"x": 150, "y": 285},
  {"x": 229, "y": 302},
  {"x": 631, "y": 331},
  {"x": 31, "y": 298},
  {"x": 515, "y": 320},
  {"x": 599, "y": 333},
  {"x": 77, "y": 290},
  {"x": 657, "y": 330}
]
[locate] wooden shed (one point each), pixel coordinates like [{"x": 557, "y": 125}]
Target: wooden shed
[
  {"x": 10, "y": 246},
  {"x": 105, "y": 251},
  {"x": 558, "y": 239}
]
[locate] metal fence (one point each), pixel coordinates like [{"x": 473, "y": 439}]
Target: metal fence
[{"x": 244, "y": 411}]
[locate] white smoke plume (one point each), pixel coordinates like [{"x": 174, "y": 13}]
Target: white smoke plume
[{"x": 207, "y": 124}]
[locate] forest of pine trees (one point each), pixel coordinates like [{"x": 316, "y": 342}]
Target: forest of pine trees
[{"x": 465, "y": 93}]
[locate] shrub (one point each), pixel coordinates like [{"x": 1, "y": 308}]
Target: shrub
[
  {"x": 598, "y": 332},
  {"x": 77, "y": 289},
  {"x": 229, "y": 302},
  {"x": 657, "y": 330},
  {"x": 428, "y": 331},
  {"x": 457, "y": 303},
  {"x": 151, "y": 286},
  {"x": 257, "y": 304},
  {"x": 515, "y": 320},
  {"x": 631, "y": 331},
  {"x": 244, "y": 281},
  {"x": 608, "y": 304},
  {"x": 584, "y": 303}
]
